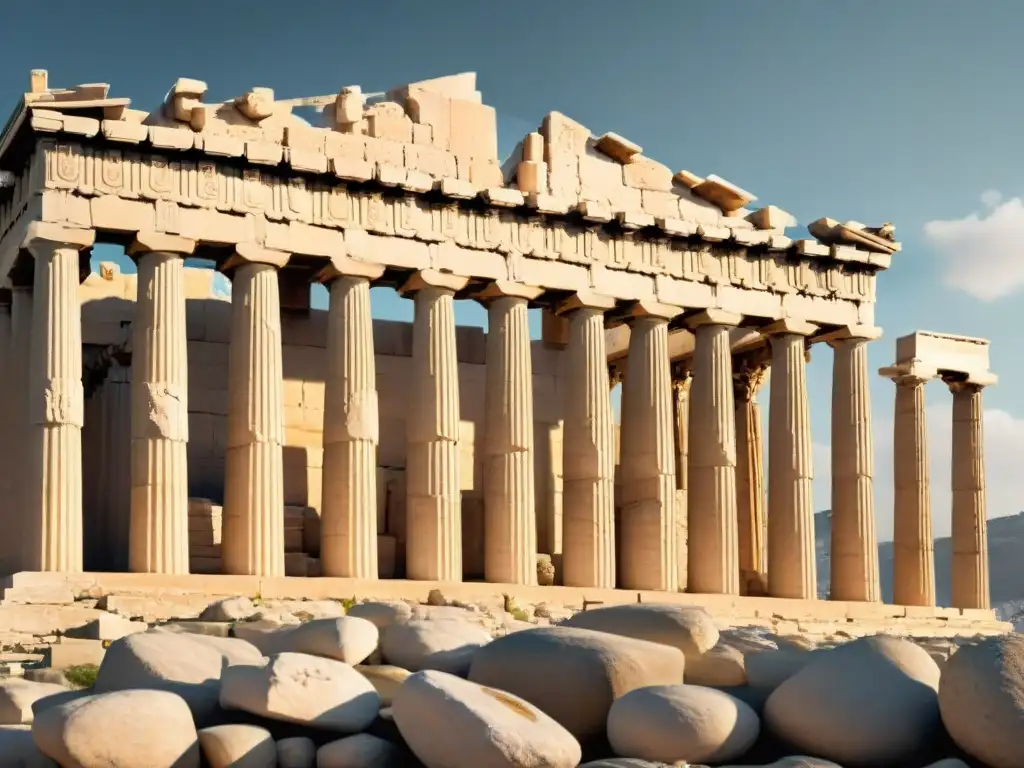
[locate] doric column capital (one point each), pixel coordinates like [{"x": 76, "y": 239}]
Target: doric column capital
[
  {"x": 649, "y": 309},
  {"x": 254, "y": 253},
  {"x": 585, "y": 300},
  {"x": 963, "y": 382},
  {"x": 507, "y": 289},
  {"x": 159, "y": 242},
  {"x": 342, "y": 265},
  {"x": 43, "y": 237},
  {"x": 432, "y": 278},
  {"x": 789, "y": 327},
  {"x": 913, "y": 374},
  {"x": 713, "y": 317},
  {"x": 851, "y": 334}
]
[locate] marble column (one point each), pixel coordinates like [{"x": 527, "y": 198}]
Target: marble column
[
  {"x": 970, "y": 577},
  {"x": 792, "y": 566},
  {"x": 854, "y": 545},
  {"x": 56, "y": 401},
  {"x": 432, "y": 478},
  {"x": 913, "y": 547},
  {"x": 751, "y": 371},
  {"x": 713, "y": 537},
  {"x": 510, "y": 517},
  {"x": 681, "y": 380},
  {"x": 18, "y": 392},
  {"x": 649, "y": 557},
  {"x": 253, "y": 517},
  {"x": 348, "y": 514},
  {"x": 8, "y": 439},
  {"x": 159, "y": 415},
  {"x": 588, "y": 495}
]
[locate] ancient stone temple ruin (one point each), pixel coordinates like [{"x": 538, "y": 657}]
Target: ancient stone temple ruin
[{"x": 154, "y": 428}]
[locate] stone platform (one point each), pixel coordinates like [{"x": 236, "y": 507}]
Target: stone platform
[{"x": 37, "y": 608}]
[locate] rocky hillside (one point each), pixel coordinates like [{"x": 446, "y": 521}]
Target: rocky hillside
[{"x": 1005, "y": 543}]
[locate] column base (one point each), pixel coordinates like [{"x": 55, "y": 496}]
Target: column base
[{"x": 253, "y": 534}]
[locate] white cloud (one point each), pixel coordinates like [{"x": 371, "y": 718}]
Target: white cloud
[
  {"x": 983, "y": 254},
  {"x": 1004, "y": 444}
]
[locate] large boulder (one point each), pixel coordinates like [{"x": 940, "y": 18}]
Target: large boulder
[
  {"x": 981, "y": 697},
  {"x": 494, "y": 728},
  {"x": 184, "y": 664},
  {"x": 18, "y": 696},
  {"x": 229, "y": 609},
  {"x": 296, "y": 752},
  {"x": 686, "y": 627},
  {"x": 123, "y": 729},
  {"x": 674, "y": 723},
  {"x": 769, "y": 669},
  {"x": 574, "y": 674},
  {"x": 382, "y": 613},
  {"x": 238, "y": 746},
  {"x": 18, "y": 750},
  {"x": 873, "y": 701},
  {"x": 298, "y": 688},
  {"x": 445, "y": 645},
  {"x": 386, "y": 680},
  {"x": 348, "y": 639},
  {"x": 721, "y": 667},
  {"x": 359, "y": 751}
]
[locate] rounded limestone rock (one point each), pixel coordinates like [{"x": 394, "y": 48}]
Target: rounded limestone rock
[
  {"x": 721, "y": 667},
  {"x": 348, "y": 639},
  {"x": 298, "y": 688},
  {"x": 873, "y": 701},
  {"x": 238, "y": 746},
  {"x": 386, "y": 680},
  {"x": 445, "y": 645},
  {"x": 382, "y": 613},
  {"x": 124, "y": 728},
  {"x": 359, "y": 751},
  {"x": 229, "y": 609},
  {"x": 670, "y": 723},
  {"x": 494, "y": 728},
  {"x": 981, "y": 697},
  {"x": 574, "y": 674},
  {"x": 686, "y": 627},
  {"x": 296, "y": 752},
  {"x": 768, "y": 668}
]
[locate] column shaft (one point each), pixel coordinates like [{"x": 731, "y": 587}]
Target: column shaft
[
  {"x": 854, "y": 545},
  {"x": 750, "y": 494},
  {"x": 434, "y": 503},
  {"x": 647, "y": 460},
  {"x": 115, "y": 482},
  {"x": 18, "y": 392},
  {"x": 588, "y": 506},
  {"x": 253, "y": 534},
  {"x": 713, "y": 536},
  {"x": 913, "y": 548},
  {"x": 159, "y": 419},
  {"x": 8, "y": 440},
  {"x": 970, "y": 577},
  {"x": 792, "y": 570},
  {"x": 681, "y": 415},
  {"x": 510, "y": 526},
  {"x": 53, "y": 512},
  {"x": 348, "y": 518}
]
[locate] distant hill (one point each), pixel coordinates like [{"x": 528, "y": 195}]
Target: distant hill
[{"x": 1005, "y": 551}]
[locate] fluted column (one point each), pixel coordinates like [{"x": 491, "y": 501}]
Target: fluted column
[
  {"x": 253, "y": 533},
  {"x": 348, "y": 514},
  {"x": 588, "y": 495},
  {"x": 53, "y": 510},
  {"x": 21, "y": 428},
  {"x": 792, "y": 566},
  {"x": 510, "y": 517},
  {"x": 854, "y": 556},
  {"x": 681, "y": 380},
  {"x": 434, "y": 498},
  {"x": 970, "y": 577},
  {"x": 8, "y": 438},
  {"x": 649, "y": 556},
  {"x": 713, "y": 538},
  {"x": 913, "y": 547},
  {"x": 751, "y": 371},
  {"x": 159, "y": 417}
]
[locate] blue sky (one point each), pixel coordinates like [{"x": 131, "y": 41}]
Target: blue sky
[{"x": 907, "y": 112}]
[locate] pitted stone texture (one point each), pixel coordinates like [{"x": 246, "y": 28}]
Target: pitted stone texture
[
  {"x": 671, "y": 723},
  {"x": 297, "y": 688},
  {"x": 495, "y": 728},
  {"x": 981, "y": 697},
  {"x": 871, "y": 701},
  {"x": 593, "y": 669},
  {"x": 125, "y": 728}
]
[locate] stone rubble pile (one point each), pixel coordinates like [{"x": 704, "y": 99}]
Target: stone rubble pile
[{"x": 390, "y": 685}]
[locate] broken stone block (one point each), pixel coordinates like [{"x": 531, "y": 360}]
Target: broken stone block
[
  {"x": 431, "y": 109},
  {"x": 728, "y": 197},
  {"x": 687, "y": 179},
  {"x": 771, "y": 217},
  {"x": 563, "y": 136},
  {"x": 618, "y": 147},
  {"x": 532, "y": 177},
  {"x": 533, "y": 147},
  {"x": 473, "y": 130},
  {"x": 256, "y": 104},
  {"x": 388, "y": 120},
  {"x": 644, "y": 173}
]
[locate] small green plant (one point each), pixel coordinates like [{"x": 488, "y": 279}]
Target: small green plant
[
  {"x": 257, "y": 600},
  {"x": 519, "y": 614},
  {"x": 82, "y": 676},
  {"x": 348, "y": 602},
  {"x": 303, "y": 616}
]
